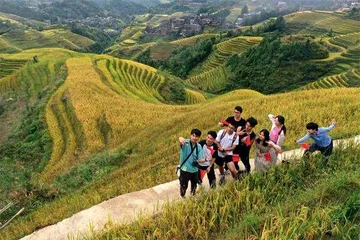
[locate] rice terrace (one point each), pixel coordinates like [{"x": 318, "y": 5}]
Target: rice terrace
[{"x": 95, "y": 96}]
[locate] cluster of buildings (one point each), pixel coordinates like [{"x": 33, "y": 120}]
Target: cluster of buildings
[
  {"x": 111, "y": 24},
  {"x": 183, "y": 26},
  {"x": 347, "y": 5}
]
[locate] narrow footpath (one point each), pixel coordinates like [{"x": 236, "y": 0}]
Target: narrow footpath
[{"x": 125, "y": 208}]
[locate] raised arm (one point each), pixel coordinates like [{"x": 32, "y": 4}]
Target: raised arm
[
  {"x": 303, "y": 139},
  {"x": 182, "y": 141},
  {"x": 333, "y": 124}
]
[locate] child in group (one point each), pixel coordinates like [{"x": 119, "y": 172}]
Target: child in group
[
  {"x": 322, "y": 141},
  {"x": 265, "y": 151}
]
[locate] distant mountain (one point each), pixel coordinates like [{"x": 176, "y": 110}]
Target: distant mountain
[
  {"x": 122, "y": 8},
  {"x": 145, "y": 3},
  {"x": 22, "y": 10},
  {"x": 73, "y": 9}
]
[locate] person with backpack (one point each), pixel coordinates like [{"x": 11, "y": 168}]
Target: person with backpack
[
  {"x": 226, "y": 141},
  {"x": 209, "y": 148},
  {"x": 237, "y": 121},
  {"x": 246, "y": 139},
  {"x": 322, "y": 141},
  {"x": 265, "y": 151},
  {"x": 191, "y": 155}
]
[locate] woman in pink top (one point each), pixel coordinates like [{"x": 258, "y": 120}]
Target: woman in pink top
[{"x": 278, "y": 129}]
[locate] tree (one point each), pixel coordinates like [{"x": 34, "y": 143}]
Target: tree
[{"x": 244, "y": 10}]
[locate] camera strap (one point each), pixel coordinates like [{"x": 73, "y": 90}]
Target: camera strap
[{"x": 192, "y": 150}]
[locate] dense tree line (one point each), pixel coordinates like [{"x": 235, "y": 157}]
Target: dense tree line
[
  {"x": 102, "y": 40},
  {"x": 252, "y": 20},
  {"x": 181, "y": 60},
  {"x": 273, "y": 66}
]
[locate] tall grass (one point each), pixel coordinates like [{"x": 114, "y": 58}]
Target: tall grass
[{"x": 303, "y": 200}]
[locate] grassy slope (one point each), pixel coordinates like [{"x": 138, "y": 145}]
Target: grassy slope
[
  {"x": 319, "y": 23},
  {"x": 157, "y": 167},
  {"x": 22, "y": 37},
  {"x": 298, "y": 201}
]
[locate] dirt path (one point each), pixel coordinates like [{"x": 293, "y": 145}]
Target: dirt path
[{"x": 125, "y": 208}]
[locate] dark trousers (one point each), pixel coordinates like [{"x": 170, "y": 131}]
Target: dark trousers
[
  {"x": 184, "y": 179},
  {"x": 210, "y": 174},
  {"x": 325, "y": 151},
  {"x": 245, "y": 159}
]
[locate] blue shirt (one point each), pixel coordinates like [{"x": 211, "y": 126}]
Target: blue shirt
[
  {"x": 195, "y": 155},
  {"x": 322, "y": 139}
]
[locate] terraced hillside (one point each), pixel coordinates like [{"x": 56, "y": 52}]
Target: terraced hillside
[
  {"x": 210, "y": 81},
  {"x": 158, "y": 50},
  {"x": 225, "y": 49},
  {"x": 193, "y": 97},
  {"x": 318, "y": 23},
  {"x": 33, "y": 77},
  {"x": 131, "y": 79},
  {"x": 346, "y": 71},
  {"x": 23, "y": 39},
  {"x": 350, "y": 78},
  {"x": 211, "y": 75},
  {"x": 9, "y": 66}
]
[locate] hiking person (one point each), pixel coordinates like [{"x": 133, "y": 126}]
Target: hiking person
[
  {"x": 209, "y": 148},
  {"x": 278, "y": 129},
  {"x": 322, "y": 141},
  {"x": 265, "y": 151},
  {"x": 226, "y": 141},
  {"x": 190, "y": 155},
  {"x": 237, "y": 121},
  {"x": 246, "y": 139}
]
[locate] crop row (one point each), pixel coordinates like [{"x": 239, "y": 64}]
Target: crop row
[
  {"x": 210, "y": 81},
  {"x": 350, "y": 78},
  {"x": 32, "y": 78},
  {"x": 346, "y": 41},
  {"x": 224, "y": 50},
  {"x": 193, "y": 97},
  {"x": 133, "y": 79},
  {"x": 9, "y": 66}
]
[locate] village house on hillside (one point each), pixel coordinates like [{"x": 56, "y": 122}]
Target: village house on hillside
[{"x": 183, "y": 26}]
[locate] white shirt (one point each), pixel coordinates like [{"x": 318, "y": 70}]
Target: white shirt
[{"x": 226, "y": 142}]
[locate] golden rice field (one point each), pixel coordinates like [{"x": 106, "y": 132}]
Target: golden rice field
[
  {"x": 151, "y": 132},
  {"x": 108, "y": 103},
  {"x": 34, "y": 77},
  {"x": 193, "y": 97}
]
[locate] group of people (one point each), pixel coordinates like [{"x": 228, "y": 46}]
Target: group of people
[{"x": 233, "y": 143}]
